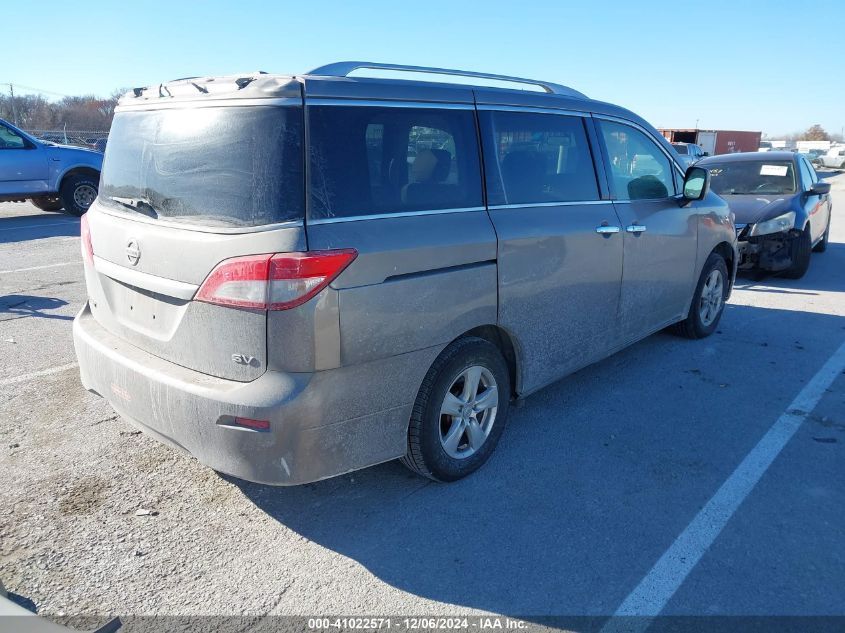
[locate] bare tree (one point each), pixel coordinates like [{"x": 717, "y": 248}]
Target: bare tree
[
  {"x": 34, "y": 112},
  {"x": 815, "y": 133}
]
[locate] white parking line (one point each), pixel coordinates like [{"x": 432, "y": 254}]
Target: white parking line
[
  {"x": 655, "y": 590},
  {"x": 20, "y": 270},
  {"x": 36, "y": 374},
  {"x": 36, "y": 226}
]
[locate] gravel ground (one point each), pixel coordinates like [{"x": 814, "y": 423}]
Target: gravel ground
[{"x": 594, "y": 479}]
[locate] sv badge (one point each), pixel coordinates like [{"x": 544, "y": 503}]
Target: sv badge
[{"x": 243, "y": 359}]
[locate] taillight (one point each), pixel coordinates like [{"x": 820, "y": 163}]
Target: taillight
[
  {"x": 273, "y": 282},
  {"x": 256, "y": 425},
  {"x": 85, "y": 235}
]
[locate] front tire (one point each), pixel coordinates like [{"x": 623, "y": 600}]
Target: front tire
[
  {"x": 708, "y": 302},
  {"x": 460, "y": 411},
  {"x": 78, "y": 193},
  {"x": 801, "y": 249}
]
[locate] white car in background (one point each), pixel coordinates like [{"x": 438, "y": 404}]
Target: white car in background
[{"x": 835, "y": 158}]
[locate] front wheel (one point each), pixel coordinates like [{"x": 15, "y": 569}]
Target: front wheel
[
  {"x": 801, "y": 249},
  {"x": 78, "y": 193},
  {"x": 708, "y": 302},
  {"x": 460, "y": 411}
]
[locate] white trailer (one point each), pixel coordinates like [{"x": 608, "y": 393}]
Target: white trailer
[
  {"x": 806, "y": 146},
  {"x": 707, "y": 140}
]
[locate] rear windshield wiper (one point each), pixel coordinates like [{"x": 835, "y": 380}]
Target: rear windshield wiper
[{"x": 137, "y": 204}]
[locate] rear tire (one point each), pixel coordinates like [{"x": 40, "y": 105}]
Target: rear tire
[
  {"x": 801, "y": 249},
  {"x": 77, "y": 193},
  {"x": 708, "y": 302},
  {"x": 453, "y": 428},
  {"x": 48, "y": 204},
  {"x": 821, "y": 247}
]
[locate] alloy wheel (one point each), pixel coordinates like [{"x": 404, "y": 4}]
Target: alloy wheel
[
  {"x": 712, "y": 296},
  {"x": 468, "y": 412}
]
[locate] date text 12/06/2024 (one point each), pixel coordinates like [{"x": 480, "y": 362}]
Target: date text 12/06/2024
[{"x": 483, "y": 623}]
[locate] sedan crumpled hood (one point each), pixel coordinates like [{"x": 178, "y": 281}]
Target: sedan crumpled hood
[{"x": 751, "y": 209}]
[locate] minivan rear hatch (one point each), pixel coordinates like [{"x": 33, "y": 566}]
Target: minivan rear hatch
[{"x": 187, "y": 184}]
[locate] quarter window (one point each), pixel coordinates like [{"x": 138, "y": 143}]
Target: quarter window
[
  {"x": 378, "y": 160},
  {"x": 537, "y": 158},
  {"x": 638, "y": 168}
]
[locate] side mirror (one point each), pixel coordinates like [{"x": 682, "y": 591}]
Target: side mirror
[
  {"x": 696, "y": 183},
  {"x": 820, "y": 188}
]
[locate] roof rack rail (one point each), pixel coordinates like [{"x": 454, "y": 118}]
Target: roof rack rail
[{"x": 342, "y": 69}]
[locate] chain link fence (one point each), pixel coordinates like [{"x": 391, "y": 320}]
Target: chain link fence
[{"x": 92, "y": 139}]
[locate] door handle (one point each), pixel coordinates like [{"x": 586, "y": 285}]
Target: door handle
[
  {"x": 635, "y": 228},
  {"x": 607, "y": 230}
]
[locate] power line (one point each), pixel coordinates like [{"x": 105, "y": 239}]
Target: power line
[{"x": 38, "y": 90}]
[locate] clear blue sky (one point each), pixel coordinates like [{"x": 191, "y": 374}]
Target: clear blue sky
[{"x": 775, "y": 66}]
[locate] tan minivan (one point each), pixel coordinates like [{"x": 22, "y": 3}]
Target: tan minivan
[{"x": 292, "y": 277}]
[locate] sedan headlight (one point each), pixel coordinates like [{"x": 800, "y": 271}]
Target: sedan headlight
[{"x": 775, "y": 225}]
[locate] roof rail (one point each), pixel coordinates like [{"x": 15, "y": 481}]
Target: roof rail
[{"x": 342, "y": 69}]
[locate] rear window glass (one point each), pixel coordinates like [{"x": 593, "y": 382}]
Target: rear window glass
[
  {"x": 681, "y": 149},
  {"x": 752, "y": 178},
  {"x": 375, "y": 160},
  {"x": 228, "y": 166},
  {"x": 537, "y": 158}
]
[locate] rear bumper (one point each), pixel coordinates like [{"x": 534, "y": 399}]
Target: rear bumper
[{"x": 321, "y": 424}]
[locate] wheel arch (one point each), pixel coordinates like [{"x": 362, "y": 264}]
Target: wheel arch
[
  {"x": 729, "y": 255},
  {"x": 502, "y": 339},
  {"x": 78, "y": 170}
]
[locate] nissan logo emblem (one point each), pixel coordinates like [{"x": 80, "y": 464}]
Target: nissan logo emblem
[{"x": 133, "y": 251}]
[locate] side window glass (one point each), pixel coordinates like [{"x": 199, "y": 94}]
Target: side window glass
[
  {"x": 814, "y": 177},
  {"x": 537, "y": 158},
  {"x": 10, "y": 139},
  {"x": 431, "y": 159},
  {"x": 806, "y": 178},
  {"x": 638, "y": 168},
  {"x": 378, "y": 160}
]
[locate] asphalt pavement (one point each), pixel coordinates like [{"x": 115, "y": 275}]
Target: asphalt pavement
[{"x": 680, "y": 477}]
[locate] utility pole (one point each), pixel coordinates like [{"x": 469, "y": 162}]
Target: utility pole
[{"x": 14, "y": 109}]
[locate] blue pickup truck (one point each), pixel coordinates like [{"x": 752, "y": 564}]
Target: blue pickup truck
[{"x": 52, "y": 176}]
